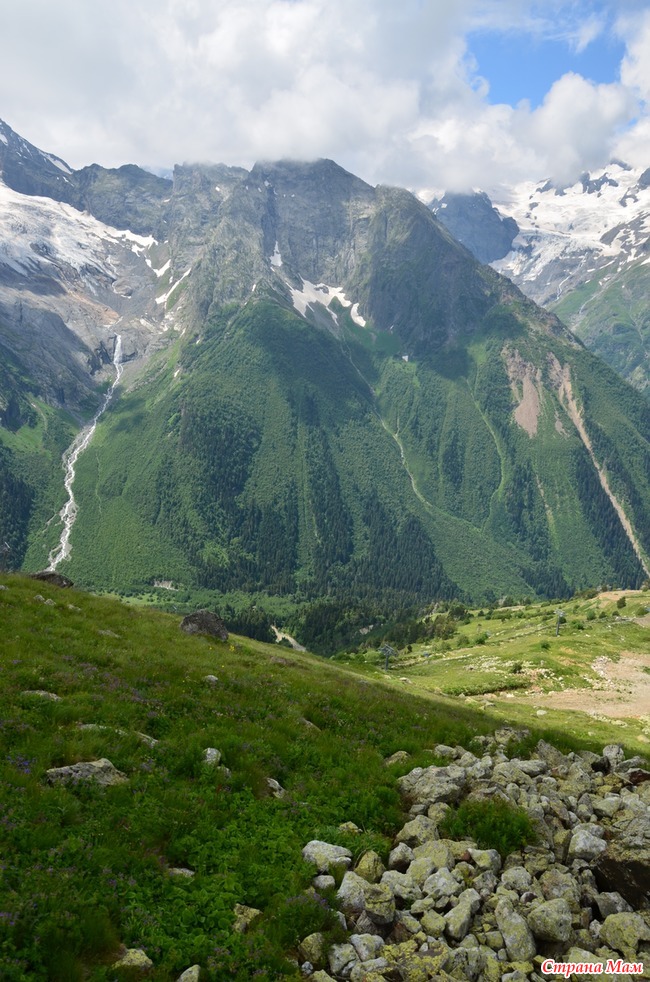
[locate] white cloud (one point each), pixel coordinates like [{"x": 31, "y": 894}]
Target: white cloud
[{"x": 385, "y": 88}]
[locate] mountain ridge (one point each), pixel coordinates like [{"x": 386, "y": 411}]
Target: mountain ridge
[{"x": 327, "y": 395}]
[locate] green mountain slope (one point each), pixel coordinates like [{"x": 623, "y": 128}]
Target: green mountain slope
[
  {"x": 350, "y": 405},
  {"x": 610, "y": 314},
  {"x": 286, "y": 460}
]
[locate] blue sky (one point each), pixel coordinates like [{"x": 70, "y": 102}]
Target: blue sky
[
  {"x": 430, "y": 94},
  {"x": 522, "y": 66}
]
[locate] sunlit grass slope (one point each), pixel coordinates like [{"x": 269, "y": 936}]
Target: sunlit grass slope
[{"x": 86, "y": 869}]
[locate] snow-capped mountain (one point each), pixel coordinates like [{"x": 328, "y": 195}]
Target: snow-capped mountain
[
  {"x": 583, "y": 251},
  {"x": 567, "y": 236},
  {"x": 71, "y": 281}
]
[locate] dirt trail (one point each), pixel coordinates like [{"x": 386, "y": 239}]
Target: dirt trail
[{"x": 622, "y": 689}]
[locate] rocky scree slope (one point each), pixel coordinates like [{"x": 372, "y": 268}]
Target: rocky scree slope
[{"x": 448, "y": 909}]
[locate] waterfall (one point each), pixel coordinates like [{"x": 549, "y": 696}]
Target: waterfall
[{"x": 68, "y": 513}]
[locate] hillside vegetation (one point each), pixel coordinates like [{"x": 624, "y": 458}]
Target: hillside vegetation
[{"x": 87, "y": 869}]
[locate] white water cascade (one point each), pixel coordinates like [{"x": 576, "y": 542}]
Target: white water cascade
[{"x": 68, "y": 513}]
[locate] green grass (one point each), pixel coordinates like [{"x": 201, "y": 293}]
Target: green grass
[
  {"x": 494, "y": 824},
  {"x": 506, "y": 652}
]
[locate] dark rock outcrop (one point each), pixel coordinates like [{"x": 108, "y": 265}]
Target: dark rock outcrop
[
  {"x": 205, "y": 622},
  {"x": 50, "y": 576}
]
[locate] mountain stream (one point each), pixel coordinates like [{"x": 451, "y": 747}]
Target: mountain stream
[{"x": 68, "y": 513}]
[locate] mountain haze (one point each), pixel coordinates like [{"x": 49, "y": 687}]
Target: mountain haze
[{"x": 325, "y": 395}]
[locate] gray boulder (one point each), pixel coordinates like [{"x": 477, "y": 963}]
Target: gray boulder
[
  {"x": 551, "y": 920},
  {"x": 100, "y": 771}
]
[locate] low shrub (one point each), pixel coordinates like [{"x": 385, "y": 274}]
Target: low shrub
[{"x": 493, "y": 824}]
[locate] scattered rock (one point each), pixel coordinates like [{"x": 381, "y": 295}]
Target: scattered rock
[
  {"x": 144, "y": 737},
  {"x": 50, "y": 576},
  {"x": 192, "y": 974},
  {"x": 42, "y": 694},
  {"x": 100, "y": 771},
  {"x": 325, "y": 856},
  {"x": 211, "y": 756},
  {"x": 204, "y": 622},
  {"x": 446, "y": 909},
  {"x": 397, "y": 758},
  {"x": 134, "y": 958},
  {"x": 275, "y": 788},
  {"x": 244, "y": 917}
]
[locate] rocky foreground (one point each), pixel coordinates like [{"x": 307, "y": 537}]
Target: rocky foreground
[{"x": 574, "y": 905}]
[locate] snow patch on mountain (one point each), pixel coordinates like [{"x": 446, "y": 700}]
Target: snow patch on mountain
[{"x": 312, "y": 293}]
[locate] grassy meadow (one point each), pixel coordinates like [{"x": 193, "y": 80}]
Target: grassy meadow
[{"x": 84, "y": 870}]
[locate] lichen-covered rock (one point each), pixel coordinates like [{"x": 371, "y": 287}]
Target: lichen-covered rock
[
  {"x": 401, "y": 857},
  {"x": 402, "y": 885},
  {"x": 418, "y": 831},
  {"x": 458, "y": 920},
  {"x": 324, "y": 856},
  {"x": 438, "y": 851},
  {"x": 551, "y": 920},
  {"x": 433, "y": 784},
  {"x": 100, "y": 771},
  {"x": 351, "y": 895},
  {"x": 341, "y": 958},
  {"x": 486, "y": 859},
  {"x": 399, "y": 757},
  {"x": 414, "y": 964},
  {"x": 433, "y": 923},
  {"x": 625, "y": 932},
  {"x": 379, "y": 903},
  {"x": 555, "y": 883},
  {"x": 369, "y": 971},
  {"x": 42, "y": 694},
  {"x": 517, "y": 878},
  {"x": 134, "y": 958},
  {"x": 370, "y": 867},
  {"x": 585, "y": 845},
  {"x": 367, "y": 946},
  {"x": 313, "y": 949},
  {"x": 244, "y": 917},
  {"x": 192, "y": 974},
  {"x": 442, "y": 884},
  {"x": 517, "y": 936}
]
